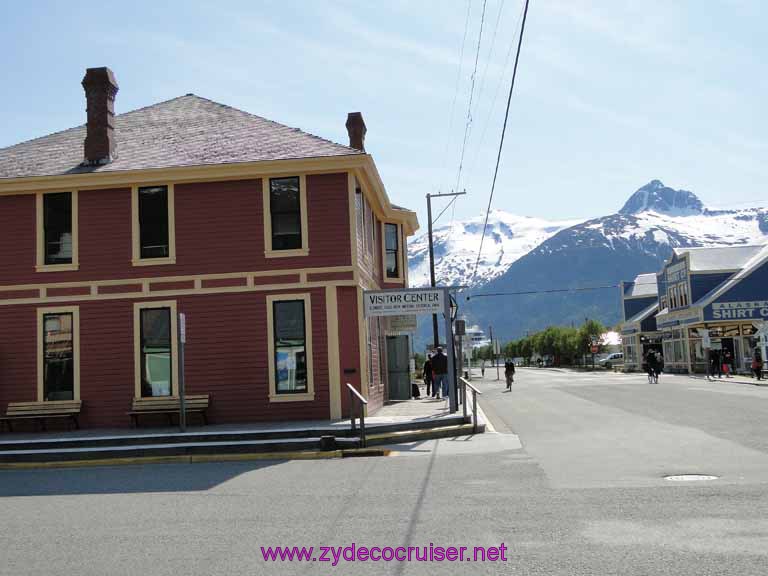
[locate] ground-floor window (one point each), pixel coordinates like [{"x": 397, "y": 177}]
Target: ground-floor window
[
  {"x": 290, "y": 347},
  {"x": 155, "y": 349},
  {"x": 58, "y": 351}
]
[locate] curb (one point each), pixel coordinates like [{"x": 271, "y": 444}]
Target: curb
[{"x": 200, "y": 459}]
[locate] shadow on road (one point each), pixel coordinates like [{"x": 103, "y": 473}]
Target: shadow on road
[{"x": 124, "y": 479}]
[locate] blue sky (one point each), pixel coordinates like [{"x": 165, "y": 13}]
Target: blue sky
[{"x": 610, "y": 94}]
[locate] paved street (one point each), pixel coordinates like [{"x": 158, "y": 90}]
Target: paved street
[{"x": 571, "y": 482}]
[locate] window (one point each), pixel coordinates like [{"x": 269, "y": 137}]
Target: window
[
  {"x": 57, "y": 228},
  {"x": 290, "y": 347},
  {"x": 285, "y": 209},
  {"x": 392, "y": 250},
  {"x": 154, "y": 238},
  {"x": 285, "y": 216},
  {"x": 58, "y": 354},
  {"x": 56, "y": 231},
  {"x": 155, "y": 342},
  {"x": 156, "y": 373},
  {"x": 153, "y": 222}
]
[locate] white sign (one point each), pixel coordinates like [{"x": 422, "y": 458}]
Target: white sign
[
  {"x": 183, "y": 327},
  {"x": 401, "y": 324},
  {"x": 738, "y": 310},
  {"x": 399, "y": 302}
]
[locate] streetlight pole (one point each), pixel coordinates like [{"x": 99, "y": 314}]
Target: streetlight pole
[{"x": 435, "y": 336}]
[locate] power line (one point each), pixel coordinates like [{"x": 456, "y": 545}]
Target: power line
[
  {"x": 558, "y": 290},
  {"x": 487, "y": 122},
  {"x": 471, "y": 95},
  {"x": 501, "y": 142},
  {"x": 456, "y": 87}
]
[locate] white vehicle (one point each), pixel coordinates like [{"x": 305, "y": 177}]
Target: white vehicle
[{"x": 612, "y": 359}]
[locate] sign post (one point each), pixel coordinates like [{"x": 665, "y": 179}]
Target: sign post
[{"x": 182, "y": 396}]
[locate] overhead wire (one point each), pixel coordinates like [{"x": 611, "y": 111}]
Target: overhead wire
[
  {"x": 559, "y": 290},
  {"x": 456, "y": 87},
  {"x": 471, "y": 95},
  {"x": 501, "y": 142}
]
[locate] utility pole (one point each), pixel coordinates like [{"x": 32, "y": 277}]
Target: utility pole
[
  {"x": 493, "y": 351},
  {"x": 435, "y": 336}
]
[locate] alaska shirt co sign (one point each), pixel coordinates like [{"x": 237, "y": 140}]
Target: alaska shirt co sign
[
  {"x": 756, "y": 310},
  {"x": 402, "y": 302}
]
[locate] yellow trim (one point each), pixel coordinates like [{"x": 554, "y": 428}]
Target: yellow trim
[
  {"x": 137, "y": 308},
  {"x": 40, "y": 265},
  {"x": 400, "y": 277},
  {"x": 75, "y": 311},
  {"x": 362, "y": 327},
  {"x": 334, "y": 361},
  {"x": 136, "y": 258},
  {"x": 363, "y": 164},
  {"x": 310, "y": 393},
  {"x": 265, "y": 194},
  {"x": 351, "y": 185}
]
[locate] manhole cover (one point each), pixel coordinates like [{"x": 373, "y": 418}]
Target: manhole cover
[{"x": 690, "y": 477}]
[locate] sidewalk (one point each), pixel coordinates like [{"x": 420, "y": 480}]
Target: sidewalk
[{"x": 399, "y": 412}]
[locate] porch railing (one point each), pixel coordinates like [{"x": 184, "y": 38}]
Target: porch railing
[
  {"x": 464, "y": 385},
  {"x": 361, "y": 404}
]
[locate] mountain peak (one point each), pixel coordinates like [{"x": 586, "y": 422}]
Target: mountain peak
[{"x": 657, "y": 197}]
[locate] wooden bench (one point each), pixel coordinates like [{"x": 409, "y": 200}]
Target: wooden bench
[
  {"x": 41, "y": 411},
  {"x": 169, "y": 406}
]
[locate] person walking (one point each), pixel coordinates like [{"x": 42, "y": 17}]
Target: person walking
[
  {"x": 715, "y": 365},
  {"x": 440, "y": 370},
  {"x": 757, "y": 364},
  {"x": 727, "y": 363},
  {"x": 509, "y": 373},
  {"x": 652, "y": 367},
  {"x": 427, "y": 374}
]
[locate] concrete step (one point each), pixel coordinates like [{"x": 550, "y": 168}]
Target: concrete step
[{"x": 8, "y": 443}]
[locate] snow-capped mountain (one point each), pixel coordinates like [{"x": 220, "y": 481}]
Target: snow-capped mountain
[
  {"x": 599, "y": 252},
  {"x": 507, "y": 238}
]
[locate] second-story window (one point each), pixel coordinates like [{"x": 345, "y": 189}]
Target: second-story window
[
  {"x": 57, "y": 228},
  {"x": 392, "y": 248},
  {"x": 285, "y": 213},
  {"x": 154, "y": 239}
]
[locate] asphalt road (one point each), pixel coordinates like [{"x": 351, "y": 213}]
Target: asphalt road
[{"x": 583, "y": 494}]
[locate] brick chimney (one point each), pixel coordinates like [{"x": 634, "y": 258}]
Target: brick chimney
[
  {"x": 100, "y": 89},
  {"x": 356, "y": 130}
]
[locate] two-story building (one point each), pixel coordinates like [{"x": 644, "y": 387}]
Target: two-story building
[
  {"x": 264, "y": 236},
  {"x": 716, "y": 295}
]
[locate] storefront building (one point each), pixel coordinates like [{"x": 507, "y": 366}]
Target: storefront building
[
  {"x": 639, "y": 334},
  {"x": 715, "y": 294},
  {"x": 262, "y": 235}
]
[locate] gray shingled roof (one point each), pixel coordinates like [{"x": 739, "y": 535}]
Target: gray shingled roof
[
  {"x": 643, "y": 285},
  {"x": 719, "y": 257},
  {"x": 185, "y": 131}
]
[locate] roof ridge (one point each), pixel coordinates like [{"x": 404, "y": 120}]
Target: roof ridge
[{"x": 267, "y": 120}]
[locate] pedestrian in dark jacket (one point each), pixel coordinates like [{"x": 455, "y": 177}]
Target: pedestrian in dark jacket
[
  {"x": 757, "y": 364},
  {"x": 427, "y": 372},
  {"x": 440, "y": 370},
  {"x": 509, "y": 373}
]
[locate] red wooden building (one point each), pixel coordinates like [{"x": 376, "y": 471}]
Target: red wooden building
[{"x": 263, "y": 235}]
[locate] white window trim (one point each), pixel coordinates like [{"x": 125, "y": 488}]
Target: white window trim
[
  {"x": 41, "y": 312},
  {"x": 137, "y": 308},
  {"x": 265, "y": 192},
  {"x": 136, "y": 258},
  {"x": 400, "y": 276},
  {"x": 309, "y": 395},
  {"x": 40, "y": 265}
]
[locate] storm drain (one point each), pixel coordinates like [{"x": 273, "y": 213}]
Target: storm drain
[{"x": 690, "y": 477}]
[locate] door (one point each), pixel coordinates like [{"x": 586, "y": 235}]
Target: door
[{"x": 398, "y": 368}]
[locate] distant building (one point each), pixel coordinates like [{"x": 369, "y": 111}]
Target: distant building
[
  {"x": 639, "y": 306},
  {"x": 716, "y": 296}
]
